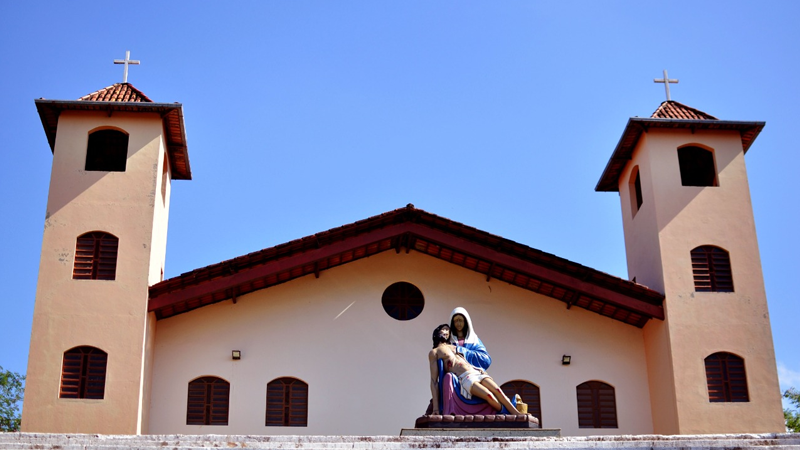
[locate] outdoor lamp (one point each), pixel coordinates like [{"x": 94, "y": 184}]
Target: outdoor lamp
[
  {"x": 236, "y": 355},
  {"x": 565, "y": 360}
]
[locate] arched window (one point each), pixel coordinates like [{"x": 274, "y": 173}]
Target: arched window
[
  {"x": 287, "y": 403},
  {"x": 95, "y": 256},
  {"x": 635, "y": 190},
  {"x": 711, "y": 267},
  {"x": 697, "y": 166},
  {"x": 208, "y": 401},
  {"x": 403, "y": 301},
  {"x": 107, "y": 151},
  {"x": 597, "y": 405},
  {"x": 529, "y": 393},
  {"x": 727, "y": 380},
  {"x": 83, "y": 373}
]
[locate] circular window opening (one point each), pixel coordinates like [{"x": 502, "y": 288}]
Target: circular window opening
[{"x": 403, "y": 301}]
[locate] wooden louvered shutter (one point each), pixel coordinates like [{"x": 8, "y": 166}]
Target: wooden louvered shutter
[
  {"x": 96, "y": 256},
  {"x": 726, "y": 377},
  {"x": 711, "y": 267},
  {"x": 597, "y": 405},
  {"x": 529, "y": 393},
  {"x": 208, "y": 401},
  {"x": 287, "y": 403},
  {"x": 83, "y": 373}
]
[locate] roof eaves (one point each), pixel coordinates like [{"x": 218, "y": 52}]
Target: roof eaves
[
  {"x": 171, "y": 116},
  {"x": 749, "y": 131},
  {"x": 412, "y": 229}
]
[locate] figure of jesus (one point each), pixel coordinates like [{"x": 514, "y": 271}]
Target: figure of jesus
[{"x": 474, "y": 380}]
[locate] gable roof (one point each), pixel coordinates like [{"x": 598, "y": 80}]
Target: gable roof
[
  {"x": 670, "y": 114},
  {"x": 124, "y": 97},
  {"x": 410, "y": 229}
]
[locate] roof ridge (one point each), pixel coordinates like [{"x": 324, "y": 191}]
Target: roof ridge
[
  {"x": 117, "y": 92},
  {"x": 671, "y": 109}
]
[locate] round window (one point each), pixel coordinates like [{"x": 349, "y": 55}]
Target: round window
[{"x": 403, "y": 301}]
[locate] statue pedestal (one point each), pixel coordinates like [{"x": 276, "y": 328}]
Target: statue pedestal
[
  {"x": 479, "y": 425},
  {"x": 477, "y": 421}
]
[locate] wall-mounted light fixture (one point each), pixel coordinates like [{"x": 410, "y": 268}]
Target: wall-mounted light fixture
[
  {"x": 236, "y": 355},
  {"x": 565, "y": 360}
]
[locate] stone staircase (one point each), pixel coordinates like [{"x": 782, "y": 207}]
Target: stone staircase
[{"x": 41, "y": 441}]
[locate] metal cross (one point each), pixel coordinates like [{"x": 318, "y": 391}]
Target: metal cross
[
  {"x": 127, "y": 61},
  {"x": 666, "y": 82}
]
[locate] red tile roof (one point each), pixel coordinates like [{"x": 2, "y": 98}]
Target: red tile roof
[
  {"x": 671, "y": 109},
  {"x": 118, "y": 92},
  {"x": 410, "y": 229}
]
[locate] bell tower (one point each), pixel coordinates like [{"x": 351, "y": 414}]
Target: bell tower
[
  {"x": 690, "y": 234},
  {"x": 115, "y": 154}
]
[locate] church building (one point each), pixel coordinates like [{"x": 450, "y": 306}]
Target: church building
[{"x": 328, "y": 334}]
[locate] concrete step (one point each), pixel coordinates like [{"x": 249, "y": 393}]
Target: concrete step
[{"x": 41, "y": 441}]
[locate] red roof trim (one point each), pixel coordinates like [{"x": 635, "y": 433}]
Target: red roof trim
[{"x": 418, "y": 230}]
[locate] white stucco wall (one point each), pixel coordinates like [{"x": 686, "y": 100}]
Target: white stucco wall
[{"x": 367, "y": 372}]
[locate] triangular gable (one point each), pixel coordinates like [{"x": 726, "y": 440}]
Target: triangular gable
[
  {"x": 118, "y": 92},
  {"x": 410, "y": 229}
]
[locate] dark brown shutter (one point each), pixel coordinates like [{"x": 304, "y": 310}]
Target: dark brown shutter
[
  {"x": 529, "y": 393},
  {"x": 83, "y": 373},
  {"x": 711, "y": 267},
  {"x": 95, "y": 256},
  {"x": 287, "y": 403},
  {"x": 597, "y": 405},
  {"x": 726, "y": 377},
  {"x": 208, "y": 401}
]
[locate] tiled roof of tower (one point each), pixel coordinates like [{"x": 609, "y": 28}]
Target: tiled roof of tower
[
  {"x": 671, "y": 109},
  {"x": 118, "y": 92}
]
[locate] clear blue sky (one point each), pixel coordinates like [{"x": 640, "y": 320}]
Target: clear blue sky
[{"x": 303, "y": 116}]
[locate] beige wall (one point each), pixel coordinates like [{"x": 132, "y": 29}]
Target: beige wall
[
  {"x": 367, "y": 372},
  {"x": 109, "y": 315},
  {"x": 673, "y": 220}
]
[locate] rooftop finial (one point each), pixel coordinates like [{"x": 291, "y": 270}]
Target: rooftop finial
[
  {"x": 666, "y": 82},
  {"x": 127, "y": 61}
]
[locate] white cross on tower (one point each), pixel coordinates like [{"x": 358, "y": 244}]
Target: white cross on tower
[
  {"x": 127, "y": 61},
  {"x": 666, "y": 82}
]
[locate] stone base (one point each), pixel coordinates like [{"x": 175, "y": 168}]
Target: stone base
[{"x": 477, "y": 421}]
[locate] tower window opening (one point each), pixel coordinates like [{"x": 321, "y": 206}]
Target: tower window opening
[
  {"x": 711, "y": 267},
  {"x": 95, "y": 256},
  {"x": 726, "y": 377},
  {"x": 83, "y": 373},
  {"x": 697, "y": 166},
  {"x": 107, "y": 151},
  {"x": 635, "y": 190}
]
